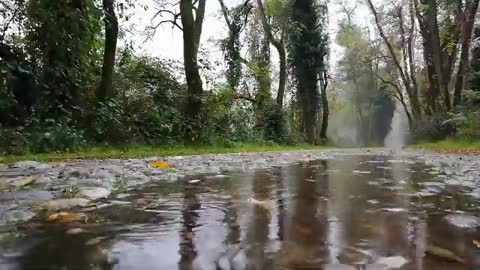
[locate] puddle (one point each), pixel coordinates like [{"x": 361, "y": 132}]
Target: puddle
[{"x": 316, "y": 215}]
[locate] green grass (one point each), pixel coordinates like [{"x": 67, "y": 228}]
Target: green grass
[
  {"x": 146, "y": 151},
  {"x": 451, "y": 144}
]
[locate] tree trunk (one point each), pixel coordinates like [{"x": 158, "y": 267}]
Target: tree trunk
[
  {"x": 106, "y": 88},
  {"x": 280, "y": 46},
  {"x": 191, "y": 39},
  {"x": 467, "y": 29},
  {"x": 325, "y": 107},
  {"x": 283, "y": 76}
]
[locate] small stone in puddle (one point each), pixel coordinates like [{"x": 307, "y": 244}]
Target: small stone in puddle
[
  {"x": 94, "y": 241},
  {"x": 218, "y": 176},
  {"x": 194, "y": 181},
  {"x": 394, "y": 210},
  {"x": 361, "y": 172},
  {"x": 394, "y": 262},
  {"x": 463, "y": 221},
  {"x": 94, "y": 193},
  {"x": 73, "y": 231}
]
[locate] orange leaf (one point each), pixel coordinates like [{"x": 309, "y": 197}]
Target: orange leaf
[
  {"x": 67, "y": 217},
  {"x": 161, "y": 164}
]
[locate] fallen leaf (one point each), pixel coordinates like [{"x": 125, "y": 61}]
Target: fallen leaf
[
  {"x": 67, "y": 217},
  {"x": 161, "y": 165},
  {"x": 443, "y": 253},
  {"x": 476, "y": 243}
]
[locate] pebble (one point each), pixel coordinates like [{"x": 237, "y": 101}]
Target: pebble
[
  {"x": 394, "y": 262},
  {"x": 94, "y": 193}
]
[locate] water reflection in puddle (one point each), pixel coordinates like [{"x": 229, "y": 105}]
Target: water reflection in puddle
[{"x": 358, "y": 210}]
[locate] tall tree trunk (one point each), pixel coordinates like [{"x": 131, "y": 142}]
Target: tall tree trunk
[
  {"x": 280, "y": 46},
  {"x": 192, "y": 29},
  {"x": 467, "y": 30},
  {"x": 325, "y": 106},
  {"x": 283, "y": 76},
  {"x": 106, "y": 88}
]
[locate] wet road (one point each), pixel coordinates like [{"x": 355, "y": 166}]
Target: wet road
[{"x": 352, "y": 212}]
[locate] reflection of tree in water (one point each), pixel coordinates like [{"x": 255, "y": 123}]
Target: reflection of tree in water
[
  {"x": 59, "y": 250},
  {"x": 305, "y": 244},
  {"x": 280, "y": 203},
  {"x": 191, "y": 205},
  {"x": 258, "y": 230}
]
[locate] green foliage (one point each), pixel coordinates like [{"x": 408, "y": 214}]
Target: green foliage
[
  {"x": 467, "y": 119},
  {"x": 120, "y": 186},
  {"x": 136, "y": 119},
  {"x": 41, "y": 136},
  {"x": 435, "y": 127},
  {"x": 71, "y": 191}
]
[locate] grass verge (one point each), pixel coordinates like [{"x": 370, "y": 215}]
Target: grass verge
[
  {"x": 454, "y": 145},
  {"x": 147, "y": 151}
]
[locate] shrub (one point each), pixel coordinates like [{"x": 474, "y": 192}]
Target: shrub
[
  {"x": 467, "y": 119},
  {"x": 435, "y": 127}
]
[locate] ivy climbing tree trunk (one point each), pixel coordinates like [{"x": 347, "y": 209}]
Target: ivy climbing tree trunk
[
  {"x": 467, "y": 29},
  {"x": 106, "y": 88},
  {"x": 192, "y": 30},
  {"x": 280, "y": 46}
]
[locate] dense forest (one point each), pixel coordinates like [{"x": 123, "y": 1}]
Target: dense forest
[{"x": 69, "y": 78}]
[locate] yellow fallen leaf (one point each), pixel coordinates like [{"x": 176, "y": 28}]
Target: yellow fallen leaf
[
  {"x": 443, "y": 253},
  {"x": 161, "y": 164},
  {"x": 66, "y": 217},
  {"x": 476, "y": 243}
]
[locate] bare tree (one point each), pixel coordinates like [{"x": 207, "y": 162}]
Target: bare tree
[
  {"x": 191, "y": 14},
  {"x": 405, "y": 66}
]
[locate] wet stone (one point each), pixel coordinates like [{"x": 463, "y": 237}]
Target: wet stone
[
  {"x": 94, "y": 193},
  {"x": 395, "y": 262},
  {"x": 12, "y": 216},
  {"x": 31, "y": 165},
  {"x": 463, "y": 221},
  {"x": 63, "y": 204},
  {"x": 34, "y": 195}
]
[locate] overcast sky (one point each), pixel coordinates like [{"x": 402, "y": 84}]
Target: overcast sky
[{"x": 167, "y": 43}]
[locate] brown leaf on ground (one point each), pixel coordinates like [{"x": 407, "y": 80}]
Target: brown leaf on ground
[{"x": 67, "y": 217}]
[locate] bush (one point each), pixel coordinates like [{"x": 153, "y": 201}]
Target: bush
[
  {"x": 467, "y": 119},
  {"x": 435, "y": 127},
  {"x": 13, "y": 141},
  {"x": 136, "y": 119},
  {"x": 41, "y": 136},
  {"x": 55, "y": 136}
]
